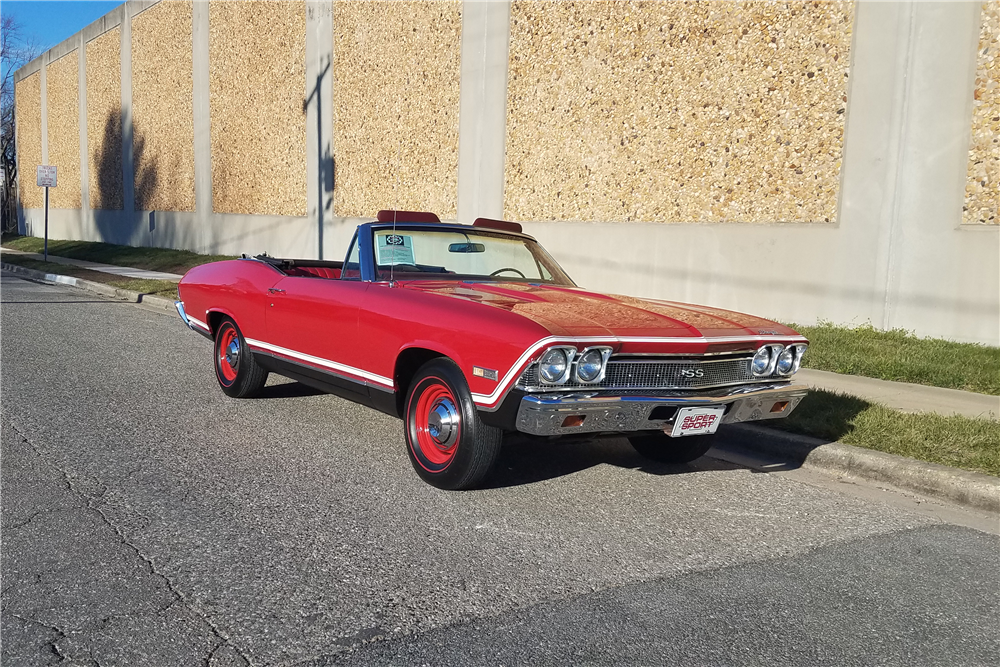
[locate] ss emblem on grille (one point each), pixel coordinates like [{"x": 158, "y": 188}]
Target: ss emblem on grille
[{"x": 693, "y": 372}]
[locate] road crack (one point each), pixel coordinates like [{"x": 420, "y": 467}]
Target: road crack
[{"x": 89, "y": 503}]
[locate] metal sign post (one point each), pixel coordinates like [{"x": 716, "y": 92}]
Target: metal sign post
[{"x": 46, "y": 178}]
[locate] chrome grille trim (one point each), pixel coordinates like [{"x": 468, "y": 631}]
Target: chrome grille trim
[{"x": 648, "y": 374}]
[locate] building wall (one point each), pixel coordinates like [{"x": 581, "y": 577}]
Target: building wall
[
  {"x": 163, "y": 108},
  {"x": 396, "y": 75},
  {"x": 982, "y": 193},
  {"x": 889, "y": 221},
  {"x": 676, "y": 112},
  {"x": 257, "y": 53},
  {"x": 62, "y": 92},
  {"x": 28, "y": 113}
]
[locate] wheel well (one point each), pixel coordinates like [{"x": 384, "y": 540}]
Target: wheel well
[
  {"x": 407, "y": 364},
  {"x": 214, "y": 319}
]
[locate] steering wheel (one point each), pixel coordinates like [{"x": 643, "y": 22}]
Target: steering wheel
[{"x": 507, "y": 268}]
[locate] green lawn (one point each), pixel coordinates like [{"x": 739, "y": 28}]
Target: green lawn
[
  {"x": 961, "y": 442},
  {"x": 899, "y": 355},
  {"x": 164, "y": 288},
  {"x": 153, "y": 259}
]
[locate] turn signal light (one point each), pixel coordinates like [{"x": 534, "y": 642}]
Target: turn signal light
[
  {"x": 779, "y": 406},
  {"x": 573, "y": 420}
]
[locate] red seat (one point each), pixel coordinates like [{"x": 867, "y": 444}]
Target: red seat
[{"x": 313, "y": 272}]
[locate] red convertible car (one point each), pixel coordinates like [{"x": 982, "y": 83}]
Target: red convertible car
[{"x": 468, "y": 332}]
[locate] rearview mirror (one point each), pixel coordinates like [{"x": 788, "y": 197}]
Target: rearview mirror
[{"x": 467, "y": 247}]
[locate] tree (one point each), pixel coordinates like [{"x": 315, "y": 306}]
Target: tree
[{"x": 16, "y": 49}]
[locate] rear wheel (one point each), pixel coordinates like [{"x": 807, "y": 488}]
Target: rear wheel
[
  {"x": 661, "y": 447},
  {"x": 449, "y": 446},
  {"x": 238, "y": 373}
]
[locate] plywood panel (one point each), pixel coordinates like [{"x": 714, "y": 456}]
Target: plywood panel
[
  {"x": 28, "y": 116},
  {"x": 982, "y": 193},
  {"x": 162, "y": 107},
  {"x": 62, "y": 91},
  {"x": 676, "y": 111},
  {"x": 104, "y": 124},
  {"x": 257, "y": 54},
  {"x": 396, "y": 75}
]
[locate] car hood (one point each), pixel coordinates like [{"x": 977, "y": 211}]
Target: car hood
[{"x": 572, "y": 311}]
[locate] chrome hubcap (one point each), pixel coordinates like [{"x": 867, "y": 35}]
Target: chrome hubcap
[
  {"x": 442, "y": 423},
  {"x": 233, "y": 352}
]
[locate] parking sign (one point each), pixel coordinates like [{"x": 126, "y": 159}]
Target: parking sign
[{"x": 46, "y": 176}]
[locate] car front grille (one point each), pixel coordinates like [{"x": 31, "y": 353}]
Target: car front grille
[{"x": 656, "y": 374}]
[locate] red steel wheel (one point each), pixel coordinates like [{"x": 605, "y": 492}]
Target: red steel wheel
[
  {"x": 236, "y": 369},
  {"x": 449, "y": 445},
  {"x": 227, "y": 354},
  {"x": 438, "y": 424}
]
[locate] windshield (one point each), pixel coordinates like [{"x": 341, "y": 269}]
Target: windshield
[{"x": 406, "y": 254}]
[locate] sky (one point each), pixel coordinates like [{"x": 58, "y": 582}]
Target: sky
[{"x": 50, "y": 22}]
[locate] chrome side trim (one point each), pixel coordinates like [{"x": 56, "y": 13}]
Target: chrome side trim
[
  {"x": 192, "y": 323},
  {"x": 626, "y": 413},
  {"x": 326, "y": 364}
]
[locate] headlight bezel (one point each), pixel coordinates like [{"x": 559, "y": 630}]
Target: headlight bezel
[
  {"x": 604, "y": 351},
  {"x": 800, "y": 350},
  {"x": 569, "y": 353}
]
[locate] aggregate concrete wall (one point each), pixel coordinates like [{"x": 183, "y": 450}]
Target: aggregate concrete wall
[
  {"x": 257, "y": 53},
  {"x": 162, "y": 108},
  {"x": 896, "y": 253},
  {"x": 104, "y": 120},
  {"x": 982, "y": 193},
  {"x": 28, "y": 111},
  {"x": 396, "y": 75},
  {"x": 699, "y": 111},
  {"x": 62, "y": 92}
]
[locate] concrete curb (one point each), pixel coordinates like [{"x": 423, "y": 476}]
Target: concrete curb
[
  {"x": 971, "y": 489},
  {"x": 149, "y": 300}
]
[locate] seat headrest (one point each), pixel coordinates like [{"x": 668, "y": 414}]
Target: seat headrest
[
  {"x": 502, "y": 225},
  {"x": 407, "y": 216}
]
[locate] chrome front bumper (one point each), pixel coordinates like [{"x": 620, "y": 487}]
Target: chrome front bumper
[
  {"x": 179, "y": 305},
  {"x": 545, "y": 414}
]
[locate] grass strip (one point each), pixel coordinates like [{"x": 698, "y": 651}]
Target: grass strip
[
  {"x": 900, "y": 356},
  {"x": 960, "y": 442},
  {"x": 152, "y": 259},
  {"x": 164, "y": 288}
]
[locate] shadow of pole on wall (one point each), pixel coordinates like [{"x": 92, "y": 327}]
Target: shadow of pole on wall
[{"x": 325, "y": 172}]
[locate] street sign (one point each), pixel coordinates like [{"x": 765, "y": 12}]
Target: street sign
[{"x": 46, "y": 176}]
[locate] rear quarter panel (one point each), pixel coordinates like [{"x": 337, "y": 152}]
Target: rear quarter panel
[{"x": 237, "y": 288}]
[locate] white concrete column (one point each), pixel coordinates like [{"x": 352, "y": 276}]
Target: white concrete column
[
  {"x": 318, "y": 102},
  {"x": 84, "y": 155},
  {"x": 482, "y": 125},
  {"x": 202, "y": 120}
]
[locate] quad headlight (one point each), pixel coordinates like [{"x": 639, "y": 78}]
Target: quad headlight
[
  {"x": 554, "y": 366},
  {"x": 590, "y": 368},
  {"x": 786, "y": 360},
  {"x": 762, "y": 361},
  {"x": 771, "y": 359}
]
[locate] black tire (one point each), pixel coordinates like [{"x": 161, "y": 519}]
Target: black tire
[
  {"x": 449, "y": 446},
  {"x": 661, "y": 447},
  {"x": 238, "y": 373}
]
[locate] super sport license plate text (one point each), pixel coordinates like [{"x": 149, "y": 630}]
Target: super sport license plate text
[{"x": 697, "y": 421}]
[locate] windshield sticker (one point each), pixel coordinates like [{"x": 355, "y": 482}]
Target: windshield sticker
[{"x": 394, "y": 249}]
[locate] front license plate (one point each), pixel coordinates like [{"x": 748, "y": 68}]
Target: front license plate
[{"x": 697, "y": 421}]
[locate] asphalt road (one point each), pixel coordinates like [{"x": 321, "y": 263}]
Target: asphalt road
[{"x": 147, "y": 519}]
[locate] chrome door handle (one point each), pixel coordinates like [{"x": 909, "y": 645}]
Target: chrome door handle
[{"x": 275, "y": 290}]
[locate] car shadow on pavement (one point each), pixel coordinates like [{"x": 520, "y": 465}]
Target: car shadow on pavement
[
  {"x": 526, "y": 460},
  {"x": 287, "y": 390}
]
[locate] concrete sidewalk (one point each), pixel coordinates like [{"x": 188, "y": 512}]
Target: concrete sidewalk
[
  {"x": 904, "y": 396},
  {"x": 122, "y": 271}
]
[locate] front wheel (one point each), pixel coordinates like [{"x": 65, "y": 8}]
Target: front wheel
[
  {"x": 449, "y": 446},
  {"x": 238, "y": 373},
  {"x": 661, "y": 447}
]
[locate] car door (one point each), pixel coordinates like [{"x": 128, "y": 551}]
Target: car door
[{"x": 313, "y": 322}]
